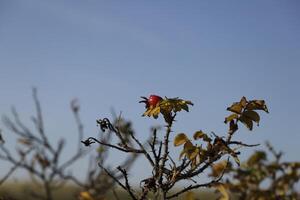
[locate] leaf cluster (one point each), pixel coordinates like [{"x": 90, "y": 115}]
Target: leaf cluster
[
  {"x": 261, "y": 177},
  {"x": 245, "y": 112},
  {"x": 167, "y": 107}
]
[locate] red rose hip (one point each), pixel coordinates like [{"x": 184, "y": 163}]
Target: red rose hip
[{"x": 153, "y": 100}]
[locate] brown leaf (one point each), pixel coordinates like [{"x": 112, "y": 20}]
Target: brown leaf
[
  {"x": 247, "y": 122},
  {"x": 254, "y": 116}
]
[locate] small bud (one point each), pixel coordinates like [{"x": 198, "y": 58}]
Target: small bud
[
  {"x": 87, "y": 142},
  {"x": 104, "y": 124}
]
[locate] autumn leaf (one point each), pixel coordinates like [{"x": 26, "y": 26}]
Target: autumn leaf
[
  {"x": 180, "y": 139},
  {"x": 193, "y": 153},
  {"x": 167, "y": 107},
  {"x": 200, "y": 134},
  {"x": 189, "y": 150},
  {"x": 231, "y": 117},
  {"x": 155, "y": 112},
  {"x": 188, "y": 146},
  {"x": 243, "y": 102},
  {"x": 236, "y": 108},
  {"x": 218, "y": 168},
  {"x": 247, "y": 122},
  {"x": 257, "y": 105},
  {"x": 252, "y": 115}
]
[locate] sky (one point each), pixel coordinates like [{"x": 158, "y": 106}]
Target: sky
[{"x": 109, "y": 53}]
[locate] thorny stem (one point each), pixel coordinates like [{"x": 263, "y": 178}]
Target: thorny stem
[
  {"x": 125, "y": 149},
  {"x": 165, "y": 154}
]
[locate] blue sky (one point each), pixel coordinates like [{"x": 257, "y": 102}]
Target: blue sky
[{"x": 108, "y": 53}]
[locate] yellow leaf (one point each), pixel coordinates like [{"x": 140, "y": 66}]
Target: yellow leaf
[
  {"x": 236, "y": 108},
  {"x": 231, "y": 117},
  {"x": 175, "y": 105},
  {"x": 192, "y": 153},
  {"x": 218, "y": 168},
  {"x": 147, "y": 112},
  {"x": 252, "y": 115},
  {"x": 200, "y": 134},
  {"x": 257, "y": 105},
  {"x": 243, "y": 102},
  {"x": 180, "y": 139},
  {"x": 155, "y": 112}
]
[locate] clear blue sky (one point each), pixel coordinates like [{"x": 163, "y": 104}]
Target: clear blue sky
[{"x": 108, "y": 53}]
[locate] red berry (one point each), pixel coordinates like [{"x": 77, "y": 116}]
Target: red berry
[{"x": 153, "y": 100}]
